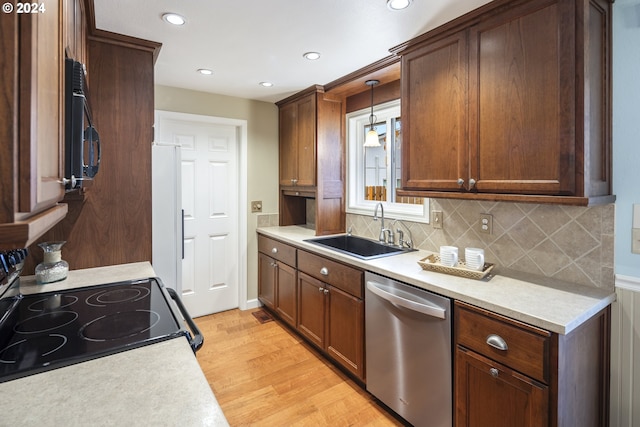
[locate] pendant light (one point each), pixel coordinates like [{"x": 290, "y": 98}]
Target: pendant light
[{"x": 372, "y": 139}]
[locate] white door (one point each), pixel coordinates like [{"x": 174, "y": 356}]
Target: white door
[{"x": 210, "y": 188}]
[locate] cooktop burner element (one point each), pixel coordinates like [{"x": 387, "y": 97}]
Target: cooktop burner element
[
  {"x": 115, "y": 296},
  {"x": 119, "y": 325},
  {"x": 53, "y": 302},
  {"x": 51, "y": 330},
  {"x": 45, "y": 322}
]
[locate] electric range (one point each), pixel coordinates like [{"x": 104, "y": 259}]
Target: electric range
[{"x": 44, "y": 331}]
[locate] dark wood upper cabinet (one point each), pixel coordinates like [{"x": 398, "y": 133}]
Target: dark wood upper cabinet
[
  {"x": 434, "y": 114},
  {"x": 32, "y": 122},
  {"x": 511, "y": 102},
  {"x": 312, "y": 160}
]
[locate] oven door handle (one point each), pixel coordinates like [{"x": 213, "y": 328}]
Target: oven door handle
[{"x": 198, "y": 339}]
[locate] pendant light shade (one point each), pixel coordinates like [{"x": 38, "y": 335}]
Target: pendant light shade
[{"x": 372, "y": 139}]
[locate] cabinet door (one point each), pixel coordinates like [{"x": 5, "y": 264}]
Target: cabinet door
[
  {"x": 311, "y": 309},
  {"x": 345, "y": 331},
  {"x": 307, "y": 141},
  {"x": 522, "y": 100},
  {"x": 267, "y": 280},
  {"x": 288, "y": 143},
  {"x": 434, "y": 115},
  {"x": 489, "y": 394},
  {"x": 286, "y": 297},
  {"x": 41, "y": 118}
]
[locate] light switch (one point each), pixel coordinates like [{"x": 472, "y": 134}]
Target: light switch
[{"x": 636, "y": 216}]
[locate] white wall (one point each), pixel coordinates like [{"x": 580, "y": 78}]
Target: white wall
[
  {"x": 626, "y": 129},
  {"x": 262, "y": 161},
  {"x": 625, "y": 345}
]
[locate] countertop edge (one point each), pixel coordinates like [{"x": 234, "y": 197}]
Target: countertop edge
[{"x": 582, "y": 302}]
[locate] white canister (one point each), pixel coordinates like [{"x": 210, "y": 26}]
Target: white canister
[
  {"x": 474, "y": 258},
  {"x": 449, "y": 256}
]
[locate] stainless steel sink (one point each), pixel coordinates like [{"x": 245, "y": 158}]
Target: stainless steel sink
[{"x": 358, "y": 246}]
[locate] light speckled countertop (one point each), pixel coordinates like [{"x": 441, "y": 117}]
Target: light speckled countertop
[
  {"x": 549, "y": 304},
  {"x": 155, "y": 385}
]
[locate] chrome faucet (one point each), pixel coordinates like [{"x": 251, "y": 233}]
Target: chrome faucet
[
  {"x": 401, "y": 241},
  {"x": 383, "y": 230}
]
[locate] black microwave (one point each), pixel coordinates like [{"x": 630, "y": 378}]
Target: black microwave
[{"x": 82, "y": 141}]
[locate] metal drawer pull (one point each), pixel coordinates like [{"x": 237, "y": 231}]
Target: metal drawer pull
[
  {"x": 274, "y": 250},
  {"x": 494, "y": 372},
  {"x": 496, "y": 341},
  {"x": 324, "y": 271}
]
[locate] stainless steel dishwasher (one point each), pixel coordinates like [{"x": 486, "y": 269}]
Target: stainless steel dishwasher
[{"x": 408, "y": 343}]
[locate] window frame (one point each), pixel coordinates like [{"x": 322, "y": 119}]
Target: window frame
[{"x": 355, "y": 134}]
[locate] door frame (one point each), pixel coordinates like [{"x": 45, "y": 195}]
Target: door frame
[{"x": 241, "y": 128}]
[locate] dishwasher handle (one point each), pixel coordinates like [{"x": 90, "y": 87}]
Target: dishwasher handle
[{"x": 429, "y": 309}]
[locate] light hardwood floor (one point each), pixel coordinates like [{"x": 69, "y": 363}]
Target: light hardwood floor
[{"x": 264, "y": 375}]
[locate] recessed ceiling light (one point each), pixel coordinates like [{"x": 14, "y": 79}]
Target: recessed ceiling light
[
  {"x": 398, "y": 4},
  {"x": 173, "y": 18},
  {"x": 205, "y": 71},
  {"x": 312, "y": 56},
  {"x": 266, "y": 84}
]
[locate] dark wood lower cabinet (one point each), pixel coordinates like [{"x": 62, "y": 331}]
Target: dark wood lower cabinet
[
  {"x": 286, "y": 302},
  {"x": 266, "y": 280},
  {"x": 312, "y": 312},
  {"x": 345, "y": 330},
  {"x": 490, "y": 394},
  {"x": 333, "y": 320},
  {"x": 508, "y": 373}
]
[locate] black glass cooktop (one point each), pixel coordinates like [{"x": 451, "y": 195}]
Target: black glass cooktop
[{"x": 51, "y": 330}]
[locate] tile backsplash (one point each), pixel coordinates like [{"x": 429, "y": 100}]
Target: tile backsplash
[{"x": 569, "y": 243}]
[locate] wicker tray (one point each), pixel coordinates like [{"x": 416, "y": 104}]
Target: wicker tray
[{"x": 432, "y": 263}]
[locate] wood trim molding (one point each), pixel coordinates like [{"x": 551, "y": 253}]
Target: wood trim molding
[{"x": 114, "y": 38}]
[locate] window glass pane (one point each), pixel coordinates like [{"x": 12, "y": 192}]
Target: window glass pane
[
  {"x": 375, "y": 173},
  {"x": 375, "y": 166}
]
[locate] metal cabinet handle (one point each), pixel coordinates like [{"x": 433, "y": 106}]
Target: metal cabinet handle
[
  {"x": 274, "y": 250},
  {"x": 494, "y": 372},
  {"x": 496, "y": 341},
  {"x": 320, "y": 289},
  {"x": 472, "y": 183},
  {"x": 326, "y": 291},
  {"x": 324, "y": 271},
  {"x": 274, "y": 264},
  {"x": 460, "y": 182}
]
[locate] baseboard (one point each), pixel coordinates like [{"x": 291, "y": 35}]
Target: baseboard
[{"x": 252, "y": 303}]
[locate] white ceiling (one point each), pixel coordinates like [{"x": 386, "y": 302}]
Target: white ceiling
[{"x": 245, "y": 42}]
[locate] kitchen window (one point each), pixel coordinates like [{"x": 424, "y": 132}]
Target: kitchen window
[{"x": 374, "y": 173}]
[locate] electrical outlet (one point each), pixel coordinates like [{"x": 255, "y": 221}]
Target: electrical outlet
[
  {"x": 486, "y": 223},
  {"x": 635, "y": 240},
  {"x": 436, "y": 219},
  {"x": 256, "y": 206}
]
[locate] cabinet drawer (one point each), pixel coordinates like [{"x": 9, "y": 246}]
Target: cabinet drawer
[
  {"x": 277, "y": 250},
  {"x": 527, "y": 347},
  {"x": 347, "y": 278}
]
